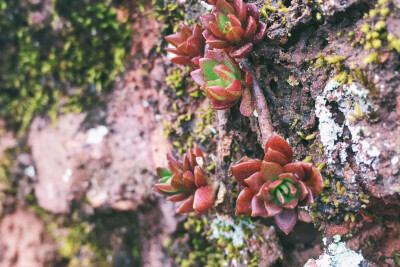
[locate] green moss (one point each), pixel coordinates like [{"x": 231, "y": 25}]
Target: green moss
[
  {"x": 92, "y": 241},
  {"x": 307, "y": 159},
  {"x": 376, "y": 36},
  {"x": 171, "y": 13},
  {"x": 216, "y": 243},
  {"x": 280, "y": 12},
  {"x": 310, "y": 136},
  {"x": 202, "y": 131},
  {"x": 179, "y": 80},
  {"x": 371, "y": 58},
  {"x": 394, "y": 43},
  {"x": 342, "y": 77},
  {"x": 42, "y": 65},
  {"x": 282, "y": 7}
]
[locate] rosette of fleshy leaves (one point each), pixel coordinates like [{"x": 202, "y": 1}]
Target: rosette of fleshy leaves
[
  {"x": 276, "y": 186},
  {"x": 188, "y": 45},
  {"x": 225, "y": 83},
  {"x": 186, "y": 181},
  {"x": 233, "y": 26}
]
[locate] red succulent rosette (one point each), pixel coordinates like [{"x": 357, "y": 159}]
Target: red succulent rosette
[
  {"x": 186, "y": 181},
  {"x": 225, "y": 83},
  {"x": 276, "y": 185},
  {"x": 233, "y": 26},
  {"x": 189, "y": 45}
]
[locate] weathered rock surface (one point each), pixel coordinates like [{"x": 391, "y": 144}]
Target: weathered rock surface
[
  {"x": 108, "y": 156},
  {"x": 111, "y": 162},
  {"x": 25, "y": 242}
]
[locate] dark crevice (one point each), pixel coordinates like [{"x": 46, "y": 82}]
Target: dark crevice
[{"x": 274, "y": 86}]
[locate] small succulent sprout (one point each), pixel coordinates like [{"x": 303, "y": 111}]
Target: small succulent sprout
[
  {"x": 276, "y": 186},
  {"x": 188, "y": 45},
  {"x": 233, "y": 26},
  {"x": 225, "y": 83},
  {"x": 186, "y": 181}
]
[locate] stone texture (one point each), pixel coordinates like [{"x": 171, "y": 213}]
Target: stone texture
[{"x": 24, "y": 242}]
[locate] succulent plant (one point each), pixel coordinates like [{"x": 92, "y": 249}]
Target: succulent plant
[
  {"x": 233, "y": 26},
  {"x": 276, "y": 185},
  {"x": 188, "y": 45},
  {"x": 186, "y": 181},
  {"x": 225, "y": 83}
]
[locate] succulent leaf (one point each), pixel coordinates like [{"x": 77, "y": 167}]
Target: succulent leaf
[
  {"x": 245, "y": 168},
  {"x": 241, "y": 10},
  {"x": 198, "y": 76},
  {"x": 224, "y": 7},
  {"x": 243, "y": 202},
  {"x": 186, "y": 206},
  {"x": 199, "y": 177},
  {"x": 316, "y": 182},
  {"x": 272, "y": 209},
  {"x": 178, "y": 197},
  {"x": 235, "y": 34},
  {"x": 272, "y": 155},
  {"x": 251, "y": 28},
  {"x": 264, "y": 193},
  {"x": 279, "y": 144},
  {"x": 295, "y": 168},
  {"x": 207, "y": 66},
  {"x": 258, "y": 207},
  {"x": 261, "y": 31},
  {"x": 270, "y": 170},
  {"x": 163, "y": 172},
  {"x": 188, "y": 181},
  {"x": 204, "y": 197},
  {"x": 286, "y": 220},
  {"x": 246, "y": 105},
  {"x": 225, "y": 74},
  {"x": 255, "y": 182},
  {"x": 291, "y": 205}
]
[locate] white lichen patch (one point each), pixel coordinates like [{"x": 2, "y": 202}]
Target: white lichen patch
[
  {"x": 96, "y": 135},
  {"x": 337, "y": 255},
  {"x": 206, "y": 6},
  {"x": 229, "y": 230},
  {"x": 394, "y": 160},
  {"x": 67, "y": 175},
  {"x": 352, "y": 101},
  {"x": 30, "y": 171}
]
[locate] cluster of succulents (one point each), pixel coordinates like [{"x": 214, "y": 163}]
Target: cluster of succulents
[
  {"x": 273, "y": 187},
  {"x": 186, "y": 181},
  {"x": 276, "y": 186},
  {"x": 230, "y": 31}
]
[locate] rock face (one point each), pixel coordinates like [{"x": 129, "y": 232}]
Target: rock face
[
  {"x": 109, "y": 157},
  {"x": 338, "y": 110},
  {"x": 54, "y": 151},
  {"x": 349, "y": 129},
  {"x": 25, "y": 242}
]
